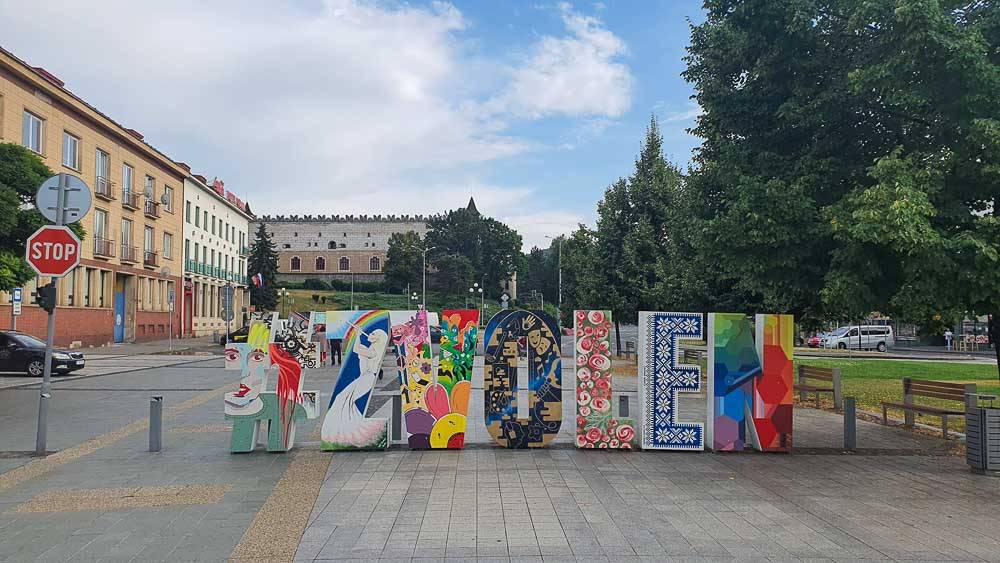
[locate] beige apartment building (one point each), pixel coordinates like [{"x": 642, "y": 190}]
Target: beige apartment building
[{"x": 132, "y": 255}]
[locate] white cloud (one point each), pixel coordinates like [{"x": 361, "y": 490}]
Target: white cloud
[
  {"x": 535, "y": 227},
  {"x": 692, "y": 111},
  {"x": 345, "y": 106},
  {"x": 580, "y": 74}
]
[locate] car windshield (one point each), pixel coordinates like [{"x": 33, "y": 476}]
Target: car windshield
[
  {"x": 25, "y": 340},
  {"x": 841, "y": 331}
]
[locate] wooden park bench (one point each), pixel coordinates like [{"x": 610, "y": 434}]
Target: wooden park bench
[
  {"x": 816, "y": 380},
  {"x": 959, "y": 393},
  {"x": 692, "y": 356}
]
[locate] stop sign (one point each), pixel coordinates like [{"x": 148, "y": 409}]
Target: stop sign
[{"x": 53, "y": 251}]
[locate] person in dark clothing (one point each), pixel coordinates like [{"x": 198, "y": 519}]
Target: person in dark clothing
[{"x": 335, "y": 357}]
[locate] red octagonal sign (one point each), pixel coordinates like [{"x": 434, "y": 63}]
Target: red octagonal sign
[{"x": 53, "y": 251}]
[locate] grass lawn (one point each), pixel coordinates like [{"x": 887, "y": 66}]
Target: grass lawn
[{"x": 874, "y": 381}]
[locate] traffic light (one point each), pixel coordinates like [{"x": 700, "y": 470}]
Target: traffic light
[{"x": 46, "y": 297}]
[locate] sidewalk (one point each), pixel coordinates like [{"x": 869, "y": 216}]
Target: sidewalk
[{"x": 179, "y": 345}]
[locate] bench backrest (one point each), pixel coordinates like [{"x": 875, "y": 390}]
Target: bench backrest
[
  {"x": 813, "y": 372},
  {"x": 936, "y": 389}
]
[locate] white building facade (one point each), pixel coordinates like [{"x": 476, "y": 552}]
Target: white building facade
[{"x": 216, "y": 245}]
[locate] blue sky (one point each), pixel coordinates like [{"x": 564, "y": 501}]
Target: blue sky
[{"x": 354, "y": 106}]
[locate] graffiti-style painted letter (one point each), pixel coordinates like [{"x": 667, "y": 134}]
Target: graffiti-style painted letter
[
  {"x": 662, "y": 378},
  {"x": 511, "y": 334},
  {"x": 595, "y": 427},
  {"x": 772, "y": 392},
  {"x": 743, "y": 392},
  {"x": 364, "y": 335}
]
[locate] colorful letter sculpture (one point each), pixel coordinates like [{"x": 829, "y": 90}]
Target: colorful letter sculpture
[
  {"x": 742, "y": 391},
  {"x": 510, "y": 334},
  {"x": 436, "y": 410},
  {"x": 772, "y": 392},
  {"x": 251, "y": 406},
  {"x": 595, "y": 426},
  {"x": 662, "y": 378},
  {"x": 365, "y": 336}
]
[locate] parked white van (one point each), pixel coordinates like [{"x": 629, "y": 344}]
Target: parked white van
[{"x": 871, "y": 337}]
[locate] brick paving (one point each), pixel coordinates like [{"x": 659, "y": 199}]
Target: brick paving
[{"x": 483, "y": 502}]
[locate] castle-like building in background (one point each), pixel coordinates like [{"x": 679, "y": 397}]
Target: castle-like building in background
[
  {"x": 342, "y": 247},
  {"x": 336, "y": 247}
]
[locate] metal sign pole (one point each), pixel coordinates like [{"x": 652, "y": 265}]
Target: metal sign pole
[{"x": 45, "y": 394}]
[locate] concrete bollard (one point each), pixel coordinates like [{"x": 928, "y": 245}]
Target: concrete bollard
[
  {"x": 850, "y": 424},
  {"x": 155, "y": 423},
  {"x": 623, "y": 405}
]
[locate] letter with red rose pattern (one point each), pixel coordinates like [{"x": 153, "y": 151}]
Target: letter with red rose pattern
[{"x": 595, "y": 426}]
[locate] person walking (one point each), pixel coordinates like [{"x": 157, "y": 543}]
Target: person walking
[{"x": 335, "y": 357}]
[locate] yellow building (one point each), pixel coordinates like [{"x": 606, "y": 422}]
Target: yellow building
[{"x": 132, "y": 259}]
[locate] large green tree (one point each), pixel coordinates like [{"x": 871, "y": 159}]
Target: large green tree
[
  {"x": 403, "y": 261},
  {"x": 492, "y": 249},
  {"x": 263, "y": 259},
  {"x": 850, "y": 153},
  {"x": 21, "y": 172}
]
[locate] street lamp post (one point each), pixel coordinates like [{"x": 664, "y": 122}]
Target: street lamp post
[
  {"x": 424, "y": 273},
  {"x": 473, "y": 290},
  {"x": 560, "y": 270},
  {"x": 283, "y": 294},
  {"x": 414, "y": 297}
]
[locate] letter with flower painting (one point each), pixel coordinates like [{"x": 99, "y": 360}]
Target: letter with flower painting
[{"x": 595, "y": 425}]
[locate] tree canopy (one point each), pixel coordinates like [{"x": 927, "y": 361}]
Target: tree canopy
[
  {"x": 403, "y": 261},
  {"x": 491, "y": 248}
]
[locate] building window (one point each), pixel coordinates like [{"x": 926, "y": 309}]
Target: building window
[
  {"x": 187, "y": 250},
  {"x": 127, "y": 173},
  {"x": 100, "y": 223},
  {"x": 204, "y": 219},
  {"x": 102, "y": 170},
  {"x": 71, "y": 151},
  {"x": 197, "y": 216},
  {"x": 369, "y": 235},
  {"x": 320, "y": 263},
  {"x": 342, "y": 245},
  {"x": 213, "y": 224},
  {"x": 31, "y": 132},
  {"x": 295, "y": 234},
  {"x": 375, "y": 264},
  {"x": 331, "y": 245},
  {"x": 187, "y": 211},
  {"x": 147, "y": 239},
  {"x": 169, "y": 193},
  {"x": 345, "y": 263},
  {"x": 168, "y": 244},
  {"x": 295, "y": 264},
  {"x": 286, "y": 245}
]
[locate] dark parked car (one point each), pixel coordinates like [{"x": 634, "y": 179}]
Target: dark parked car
[
  {"x": 238, "y": 335},
  {"x": 24, "y": 353}
]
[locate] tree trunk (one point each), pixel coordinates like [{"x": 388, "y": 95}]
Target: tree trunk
[{"x": 618, "y": 336}]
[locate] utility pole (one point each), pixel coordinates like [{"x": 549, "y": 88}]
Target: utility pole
[{"x": 424, "y": 272}]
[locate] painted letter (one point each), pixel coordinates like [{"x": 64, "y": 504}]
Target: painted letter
[
  {"x": 510, "y": 334},
  {"x": 661, "y": 378},
  {"x": 595, "y": 426},
  {"x": 364, "y": 336}
]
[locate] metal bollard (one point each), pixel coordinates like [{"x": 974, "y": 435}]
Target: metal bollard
[
  {"x": 623, "y": 405},
  {"x": 397, "y": 417},
  {"x": 850, "y": 424},
  {"x": 155, "y": 423}
]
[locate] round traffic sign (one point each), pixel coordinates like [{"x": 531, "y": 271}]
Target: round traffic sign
[
  {"x": 76, "y": 202},
  {"x": 53, "y": 251}
]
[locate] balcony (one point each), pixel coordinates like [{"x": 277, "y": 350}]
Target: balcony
[
  {"x": 104, "y": 188},
  {"x": 191, "y": 266},
  {"x": 150, "y": 259},
  {"x": 244, "y": 251},
  {"x": 152, "y": 209},
  {"x": 130, "y": 200},
  {"x": 104, "y": 248},
  {"x": 129, "y": 253}
]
